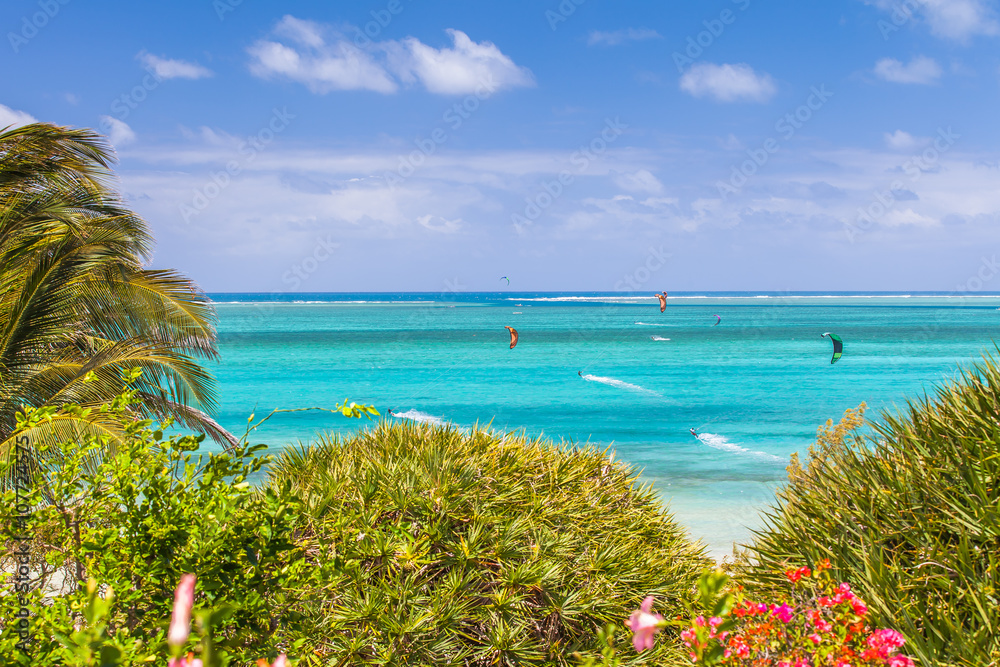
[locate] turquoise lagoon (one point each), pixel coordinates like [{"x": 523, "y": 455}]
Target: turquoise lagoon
[{"x": 608, "y": 369}]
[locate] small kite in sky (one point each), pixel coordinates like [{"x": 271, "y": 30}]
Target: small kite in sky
[
  {"x": 513, "y": 336},
  {"x": 507, "y": 279},
  {"x": 838, "y": 346},
  {"x": 663, "y": 301}
]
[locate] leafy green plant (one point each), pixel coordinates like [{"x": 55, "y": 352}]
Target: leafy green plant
[
  {"x": 449, "y": 547},
  {"x": 909, "y": 512},
  {"x": 136, "y": 521}
]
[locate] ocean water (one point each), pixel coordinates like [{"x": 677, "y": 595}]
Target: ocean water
[{"x": 605, "y": 368}]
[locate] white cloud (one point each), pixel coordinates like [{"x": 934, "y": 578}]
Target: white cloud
[
  {"x": 14, "y": 118},
  {"x": 640, "y": 181},
  {"x": 459, "y": 203},
  {"x": 311, "y": 61},
  {"x": 436, "y": 223},
  {"x": 117, "y": 131},
  {"x": 960, "y": 19},
  {"x": 952, "y": 19},
  {"x": 728, "y": 83},
  {"x": 467, "y": 68},
  {"x": 324, "y": 60},
  {"x": 904, "y": 141},
  {"x": 920, "y": 70},
  {"x": 166, "y": 68},
  {"x": 731, "y": 143},
  {"x": 621, "y": 36},
  {"x": 346, "y": 69}
]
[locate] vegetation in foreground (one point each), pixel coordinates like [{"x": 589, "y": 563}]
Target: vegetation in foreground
[
  {"x": 134, "y": 521},
  {"x": 910, "y": 514},
  {"x": 479, "y": 548},
  {"x": 407, "y": 544}
]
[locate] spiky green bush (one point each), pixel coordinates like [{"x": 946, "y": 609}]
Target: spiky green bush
[
  {"x": 909, "y": 512},
  {"x": 448, "y": 547}
]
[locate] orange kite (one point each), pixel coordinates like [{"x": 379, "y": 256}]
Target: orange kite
[
  {"x": 663, "y": 301},
  {"x": 513, "y": 336}
]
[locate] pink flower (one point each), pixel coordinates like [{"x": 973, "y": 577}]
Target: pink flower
[
  {"x": 823, "y": 625},
  {"x": 644, "y": 624},
  {"x": 180, "y": 620},
  {"x": 886, "y": 639},
  {"x": 281, "y": 661},
  {"x": 844, "y": 594},
  {"x": 900, "y": 661},
  {"x": 859, "y": 607},
  {"x": 185, "y": 662},
  {"x": 814, "y": 638},
  {"x": 782, "y": 613}
]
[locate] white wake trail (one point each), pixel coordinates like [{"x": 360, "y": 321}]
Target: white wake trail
[
  {"x": 620, "y": 384},
  {"x": 721, "y": 443}
]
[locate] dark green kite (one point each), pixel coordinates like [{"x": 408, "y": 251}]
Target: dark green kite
[{"x": 838, "y": 346}]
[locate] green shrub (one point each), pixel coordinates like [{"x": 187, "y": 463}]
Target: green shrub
[
  {"x": 134, "y": 518},
  {"x": 910, "y": 514},
  {"x": 448, "y": 547}
]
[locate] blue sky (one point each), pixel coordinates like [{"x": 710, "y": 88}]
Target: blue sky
[{"x": 576, "y": 145}]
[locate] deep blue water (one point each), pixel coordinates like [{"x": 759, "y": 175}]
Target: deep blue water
[{"x": 755, "y": 387}]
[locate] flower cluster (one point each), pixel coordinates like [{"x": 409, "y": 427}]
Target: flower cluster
[{"x": 820, "y": 623}]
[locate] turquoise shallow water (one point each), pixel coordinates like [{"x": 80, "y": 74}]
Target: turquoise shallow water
[{"x": 755, "y": 387}]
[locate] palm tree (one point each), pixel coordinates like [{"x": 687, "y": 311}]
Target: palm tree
[{"x": 77, "y": 307}]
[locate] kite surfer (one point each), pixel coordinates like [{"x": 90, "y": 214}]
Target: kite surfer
[
  {"x": 663, "y": 301},
  {"x": 693, "y": 432}
]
